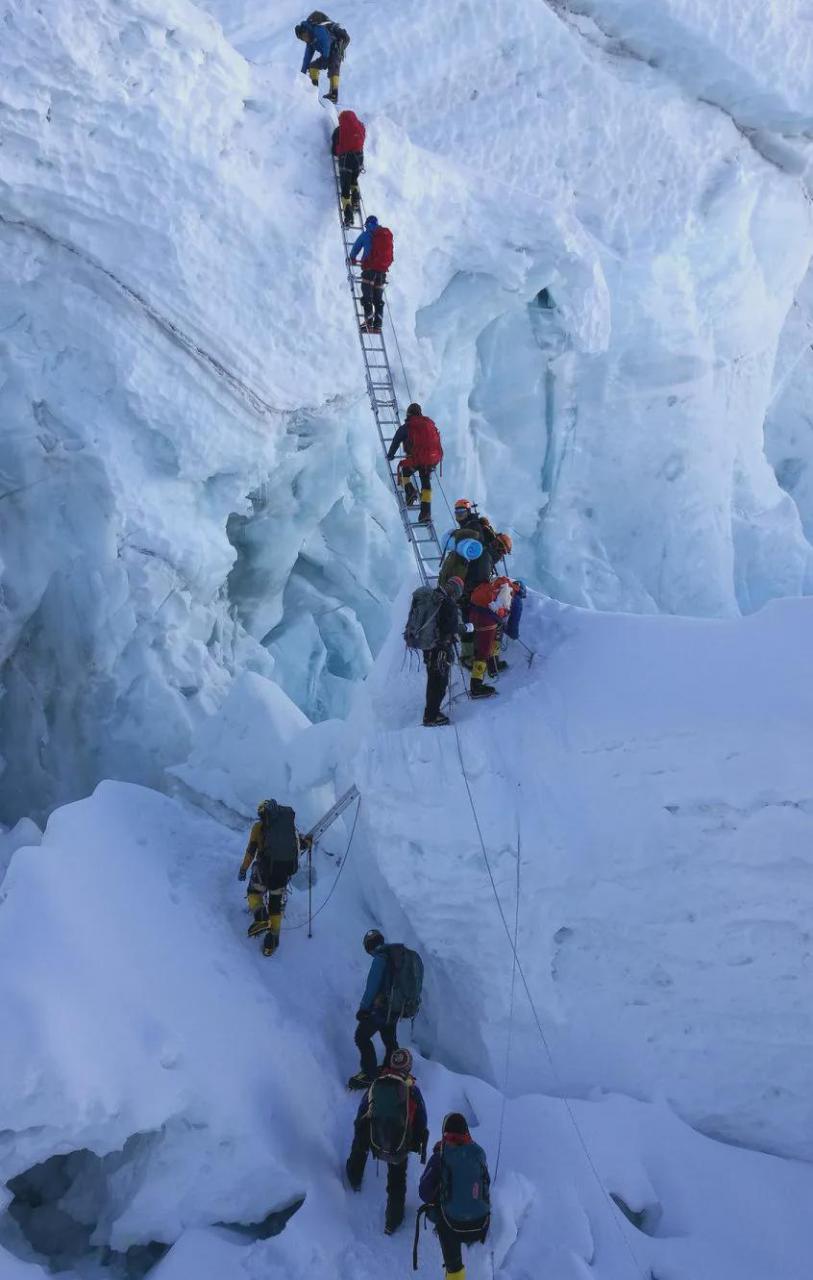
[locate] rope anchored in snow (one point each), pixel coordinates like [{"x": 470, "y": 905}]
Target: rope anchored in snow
[{"x": 517, "y": 963}]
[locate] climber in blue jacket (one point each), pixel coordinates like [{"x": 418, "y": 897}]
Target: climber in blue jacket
[
  {"x": 327, "y": 40},
  {"x": 373, "y": 1015},
  {"x": 364, "y": 242}
]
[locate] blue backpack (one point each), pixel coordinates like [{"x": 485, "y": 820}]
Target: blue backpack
[{"x": 464, "y": 1199}]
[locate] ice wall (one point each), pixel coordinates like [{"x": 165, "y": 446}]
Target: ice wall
[
  {"x": 593, "y": 268},
  {"x": 186, "y": 471}
]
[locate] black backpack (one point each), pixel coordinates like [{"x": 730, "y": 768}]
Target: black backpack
[
  {"x": 278, "y": 855},
  {"x": 421, "y": 630},
  {"x": 464, "y": 1196},
  {"x": 404, "y": 982},
  {"x": 390, "y": 1116}
]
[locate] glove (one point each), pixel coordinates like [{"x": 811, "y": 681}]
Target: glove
[
  {"x": 363, "y": 1015},
  {"x": 241, "y": 874},
  {"x": 307, "y": 842},
  {"x": 468, "y": 627},
  {"x": 352, "y": 262}
]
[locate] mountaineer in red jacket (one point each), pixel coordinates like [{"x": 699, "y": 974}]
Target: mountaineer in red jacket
[
  {"x": 375, "y": 246},
  {"x": 348, "y": 148},
  {"x": 423, "y": 451}
]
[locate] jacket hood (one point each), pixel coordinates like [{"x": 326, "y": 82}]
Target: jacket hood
[
  {"x": 457, "y": 1139},
  {"x": 371, "y": 223}
]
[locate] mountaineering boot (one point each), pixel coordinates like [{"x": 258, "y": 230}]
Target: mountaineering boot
[
  {"x": 479, "y": 690},
  {"x": 314, "y": 75},
  {"x": 496, "y": 665},
  {"x": 332, "y": 94},
  {"x": 393, "y": 1218},
  {"x": 359, "y": 1081},
  {"x": 456, "y": 1275},
  {"x": 439, "y": 719},
  {"x": 425, "y": 516},
  {"x": 410, "y": 494},
  {"x": 258, "y": 925},
  {"x": 347, "y": 211},
  {"x": 271, "y": 940}
]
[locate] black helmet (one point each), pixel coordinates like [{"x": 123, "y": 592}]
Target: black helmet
[
  {"x": 301, "y": 31},
  {"x": 266, "y": 806},
  {"x": 373, "y": 938},
  {"x": 414, "y": 411}
]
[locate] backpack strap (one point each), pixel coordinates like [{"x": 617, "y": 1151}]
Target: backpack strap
[{"x": 422, "y": 1212}]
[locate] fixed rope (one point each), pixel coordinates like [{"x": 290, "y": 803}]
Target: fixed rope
[
  {"x": 421, "y": 535},
  {"x": 644, "y": 1273},
  {"x": 289, "y": 928}
]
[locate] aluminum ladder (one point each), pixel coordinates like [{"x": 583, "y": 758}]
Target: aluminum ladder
[{"x": 423, "y": 538}]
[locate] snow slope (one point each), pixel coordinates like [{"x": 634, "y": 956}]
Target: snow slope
[
  {"x": 654, "y": 775},
  {"x": 200, "y": 1085}
]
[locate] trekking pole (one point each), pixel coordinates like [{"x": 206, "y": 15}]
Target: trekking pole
[
  {"x": 531, "y": 652},
  {"x": 310, "y": 889}
]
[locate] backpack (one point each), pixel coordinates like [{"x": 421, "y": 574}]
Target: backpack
[
  {"x": 514, "y": 617},
  {"x": 351, "y": 133},
  {"x": 390, "y": 1113},
  {"x": 279, "y": 853},
  {"x": 405, "y": 982},
  {"x": 381, "y": 255},
  {"x": 423, "y": 442},
  {"x": 487, "y": 592},
  {"x": 421, "y": 630},
  {"x": 464, "y": 1198}
]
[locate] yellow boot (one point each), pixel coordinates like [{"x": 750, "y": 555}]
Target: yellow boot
[
  {"x": 456, "y": 1275},
  {"x": 333, "y": 95},
  {"x": 314, "y": 75},
  {"x": 271, "y": 940},
  {"x": 477, "y": 689}
]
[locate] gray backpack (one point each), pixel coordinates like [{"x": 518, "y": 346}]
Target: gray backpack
[{"x": 421, "y": 630}]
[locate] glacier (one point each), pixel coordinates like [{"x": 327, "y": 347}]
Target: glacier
[
  {"x": 189, "y": 478},
  {"x": 602, "y": 293}
]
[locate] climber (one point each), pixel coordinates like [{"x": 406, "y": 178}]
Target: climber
[
  {"x": 393, "y": 991},
  {"x": 490, "y": 606},
  {"x": 423, "y": 451},
  {"x": 273, "y": 853},
  {"x": 500, "y": 547},
  {"x": 375, "y": 246},
  {"x": 455, "y": 1189},
  {"x": 329, "y": 41},
  {"x": 467, "y": 548},
  {"x": 348, "y": 148},
  {"x": 391, "y": 1122},
  {"x": 440, "y": 657}
]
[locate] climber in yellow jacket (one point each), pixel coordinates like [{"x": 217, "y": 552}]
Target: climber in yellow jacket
[{"x": 272, "y": 854}]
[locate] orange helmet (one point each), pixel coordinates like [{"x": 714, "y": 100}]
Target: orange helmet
[
  {"x": 462, "y": 509},
  {"x": 506, "y": 542}
]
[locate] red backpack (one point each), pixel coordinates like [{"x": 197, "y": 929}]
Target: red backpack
[
  {"x": 423, "y": 442},
  {"x": 380, "y": 256},
  {"x": 351, "y": 133},
  {"x": 487, "y": 592}
]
